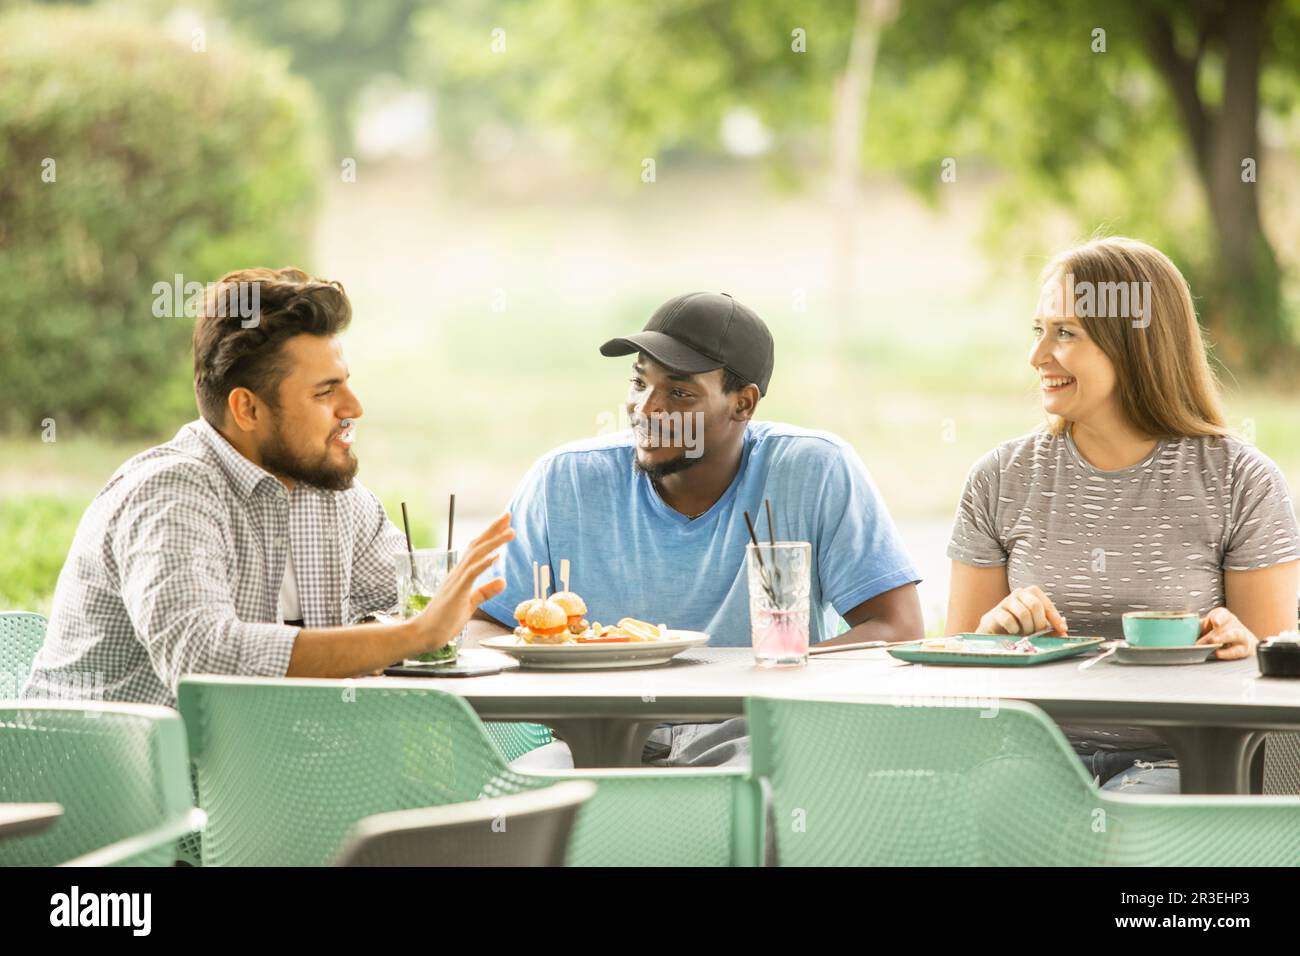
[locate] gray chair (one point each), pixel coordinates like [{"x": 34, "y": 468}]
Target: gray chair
[
  {"x": 525, "y": 829},
  {"x": 1281, "y": 771}
]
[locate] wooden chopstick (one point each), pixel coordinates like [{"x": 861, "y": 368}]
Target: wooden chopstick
[{"x": 836, "y": 648}]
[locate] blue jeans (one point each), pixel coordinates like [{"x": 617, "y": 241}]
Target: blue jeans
[{"x": 1134, "y": 771}]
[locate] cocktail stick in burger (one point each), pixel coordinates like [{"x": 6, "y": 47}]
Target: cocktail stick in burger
[
  {"x": 574, "y": 606},
  {"x": 521, "y": 610},
  {"x": 574, "y": 610}
]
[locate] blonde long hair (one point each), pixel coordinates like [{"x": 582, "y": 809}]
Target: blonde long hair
[{"x": 1163, "y": 377}]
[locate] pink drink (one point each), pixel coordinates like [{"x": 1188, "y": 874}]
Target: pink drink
[
  {"x": 778, "y": 602},
  {"x": 781, "y": 638}
]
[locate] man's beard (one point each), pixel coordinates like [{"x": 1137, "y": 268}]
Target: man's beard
[
  {"x": 279, "y": 458},
  {"x": 670, "y": 467}
]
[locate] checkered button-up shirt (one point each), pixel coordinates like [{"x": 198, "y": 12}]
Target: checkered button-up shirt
[{"x": 177, "y": 565}]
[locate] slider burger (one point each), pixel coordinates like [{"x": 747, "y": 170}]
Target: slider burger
[
  {"x": 544, "y": 623},
  {"x": 521, "y": 611},
  {"x": 574, "y": 609}
]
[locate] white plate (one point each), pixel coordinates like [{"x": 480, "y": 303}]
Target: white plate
[{"x": 596, "y": 656}]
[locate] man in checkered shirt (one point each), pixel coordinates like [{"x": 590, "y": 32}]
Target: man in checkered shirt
[{"x": 243, "y": 545}]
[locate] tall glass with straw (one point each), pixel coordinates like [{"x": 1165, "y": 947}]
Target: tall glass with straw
[
  {"x": 420, "y": 572},
  {"x": 780, "y": 581}
]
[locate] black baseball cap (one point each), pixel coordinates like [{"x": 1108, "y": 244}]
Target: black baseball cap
[{"x": 700, "y": 332}]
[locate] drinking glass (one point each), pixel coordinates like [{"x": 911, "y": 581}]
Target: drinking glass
[
  {"x": 416, "y": 590},
  {"x": 779, "y": 584}
]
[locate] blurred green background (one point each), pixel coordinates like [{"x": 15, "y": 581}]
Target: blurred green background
[{"x": 500, "y": 186}]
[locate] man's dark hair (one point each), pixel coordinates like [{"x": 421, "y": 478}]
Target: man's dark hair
[
  {"x": 731, "y": 382},
  {"x": 227, "y": 355}
]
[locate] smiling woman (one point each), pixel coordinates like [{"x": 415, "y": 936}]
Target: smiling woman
[
  {"x": 1133, "y": 497},
  {"x": 1147, "y": 349}
]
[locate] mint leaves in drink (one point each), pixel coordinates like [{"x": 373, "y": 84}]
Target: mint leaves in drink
[{"x": 443, "y": 655}]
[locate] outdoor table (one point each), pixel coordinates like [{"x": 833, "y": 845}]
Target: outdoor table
[
  {"x": 21, "y": 819},
  {"x": 1212, "y": 715}
]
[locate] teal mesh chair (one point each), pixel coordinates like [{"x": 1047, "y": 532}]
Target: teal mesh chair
[
  {"x": 21, "y": 635},
  {"x": 120, "y": 771},
  {"x": 189, "y": 848},
  {"x": 868, "y": 783},
  {"x": 286, "y": 767},
  {"x": 510, "y": 739},
  {"x": 514, "y": 740}
]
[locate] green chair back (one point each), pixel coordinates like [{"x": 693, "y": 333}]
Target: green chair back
[
  {"x": 513, "y": 740},
  {"x": 21, "y": 636},
  {"x": 120, "y": 771},
  {"x": 685, "y": 816},
  {"x": 285, "y": 768},
  {"x": 868, "y": 783}
]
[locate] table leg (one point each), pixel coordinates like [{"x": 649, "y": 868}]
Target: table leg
[
  {"x": 1212, "y": 759},
  {"x": 604, "y": 741}
]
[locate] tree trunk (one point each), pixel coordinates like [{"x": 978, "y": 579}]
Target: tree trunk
[
  {"x": 1248, "y": 286},
  {"x": 1244, "y": 305},
  {"x": 849, "y": 114}
]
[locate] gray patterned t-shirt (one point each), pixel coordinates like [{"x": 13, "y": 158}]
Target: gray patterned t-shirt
[{"x": 1156, "y": 536}]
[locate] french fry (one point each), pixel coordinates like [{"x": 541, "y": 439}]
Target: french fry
[{"x": 640, "y": 630}]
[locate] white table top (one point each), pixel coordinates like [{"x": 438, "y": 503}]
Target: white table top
[
  {"x": 17, "y": 819},
  {"x": 712, "y": 683}
]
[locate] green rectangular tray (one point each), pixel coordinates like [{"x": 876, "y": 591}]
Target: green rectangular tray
[{"x": 1054, "y": 648}]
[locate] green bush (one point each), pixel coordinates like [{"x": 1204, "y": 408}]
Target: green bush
[{"x": 126, "y": 158}]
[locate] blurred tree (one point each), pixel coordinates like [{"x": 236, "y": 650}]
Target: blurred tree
[
  {"x": 1144, "y": 116},
  {"x": 1146, "y": 126},
  {"x": 128, "y": 157},
  {"x": 339, "y": 45}
]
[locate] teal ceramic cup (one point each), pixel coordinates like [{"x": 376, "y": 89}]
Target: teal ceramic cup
[{"x": 1161, "y": 628}]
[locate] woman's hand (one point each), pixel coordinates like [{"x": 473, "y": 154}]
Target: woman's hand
[
  {"x": 1221, "y": 626},
  {"x": 450, "y": 609},
  {"x": 1023, "y": 611}
]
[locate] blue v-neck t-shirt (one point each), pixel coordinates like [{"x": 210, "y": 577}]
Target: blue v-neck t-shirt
[{"x": 632, "y": 555}]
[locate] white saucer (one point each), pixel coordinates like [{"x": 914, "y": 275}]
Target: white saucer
[{"x": 1182, "y": 654}]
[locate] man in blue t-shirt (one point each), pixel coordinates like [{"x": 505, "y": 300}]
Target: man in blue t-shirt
[{"x": 651, "y": 519}]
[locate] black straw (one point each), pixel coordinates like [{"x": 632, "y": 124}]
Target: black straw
[
  {"x": 406, "y": 525},
  {"x": 771, "y": 536},
  {"x": 758, "y": 549},
  {"x": 451, "y": 523},
  {"x": 754, "y": 538}
]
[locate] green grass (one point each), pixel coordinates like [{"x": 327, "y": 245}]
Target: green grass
[{"x": 35, "y": 533}]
